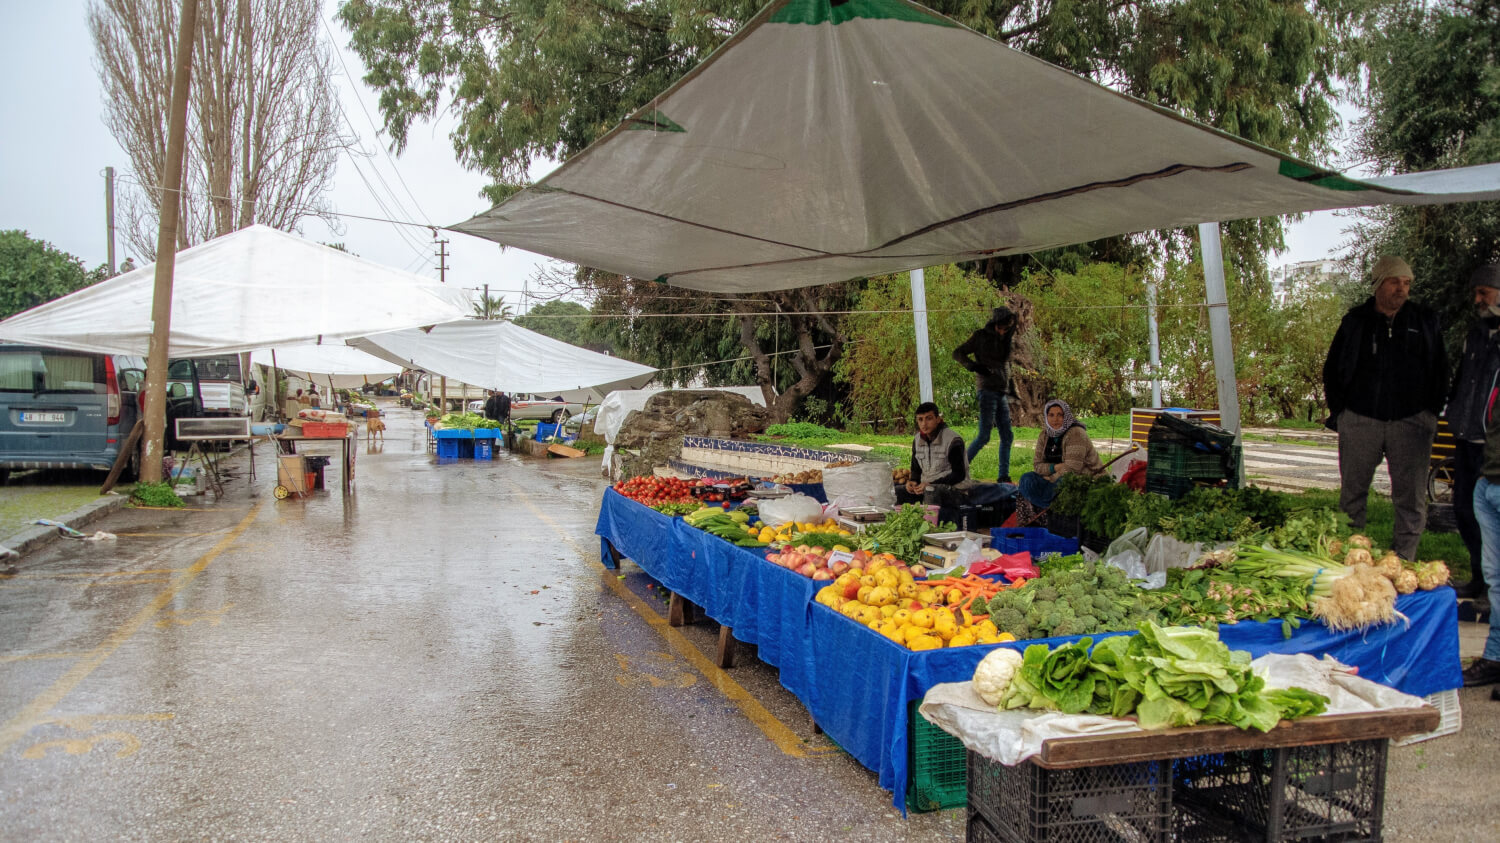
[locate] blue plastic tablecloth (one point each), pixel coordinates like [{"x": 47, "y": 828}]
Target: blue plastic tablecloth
[{"x": 859, "y": 685}]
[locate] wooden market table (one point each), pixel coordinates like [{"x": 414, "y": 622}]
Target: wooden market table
[
  {"x": 1317, "y": 778},
  {"x": 287, "y": 443}
]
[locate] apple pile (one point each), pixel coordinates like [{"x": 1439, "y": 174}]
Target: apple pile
[{"x": 813, "y": 562}]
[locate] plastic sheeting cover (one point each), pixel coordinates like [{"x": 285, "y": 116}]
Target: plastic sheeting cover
[
  {"x": 880, "y": 137},
  {"x": 618, "y": 404},
  {"x": 503, "y": 355},
  {"x": 255, "y": 288}
]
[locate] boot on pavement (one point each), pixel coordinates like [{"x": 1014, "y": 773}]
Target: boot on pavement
[{"x": 1482, "y": 672}]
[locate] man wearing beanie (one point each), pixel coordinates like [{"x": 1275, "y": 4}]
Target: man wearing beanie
[
  {"x": 1386, "y": 379},
  {"x": 987, "y": 354},
  {"x": 1477, "y": 376}
]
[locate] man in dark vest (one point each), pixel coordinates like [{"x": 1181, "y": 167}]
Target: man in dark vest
[
  {"x": 1386, "y": 378},
  {"x": 939, "y": 465},
  {"x": 1475, "y": 381}
]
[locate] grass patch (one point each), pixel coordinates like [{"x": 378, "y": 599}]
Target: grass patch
[
  {"x": 154, "y": 494},
  {"x": 22, "y": 505},
  {"x": 1297, "y": 424}
]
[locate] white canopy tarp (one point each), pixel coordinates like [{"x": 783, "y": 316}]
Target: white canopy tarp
[
  {"x": 255, "y": 288},
  {"x": 502, "y": 355},
  {"x": 339, "y": 365},
  {"x": 879, "y": 136}
]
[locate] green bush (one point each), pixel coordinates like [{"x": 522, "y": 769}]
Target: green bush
[{"x": 154, "y": 494}]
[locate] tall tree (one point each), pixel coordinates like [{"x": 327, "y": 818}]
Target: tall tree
[
  {"x": 264, "y": 125},
  {"x": 560, "y": 319},
  {"x": 34, "y": 272},
  {"x": 493, "y": 308},
  {"x": 1433, "y": 101}
]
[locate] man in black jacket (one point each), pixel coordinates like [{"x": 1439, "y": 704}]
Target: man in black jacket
[
  {"x": 497, "y": 406},
  {"x": 986, "y": 353},
  {"x": 1386, "y": 377},
  {"x": 1475, "y": 381}
]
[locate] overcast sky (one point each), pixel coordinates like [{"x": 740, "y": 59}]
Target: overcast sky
[{"x": 54, "y": 148}]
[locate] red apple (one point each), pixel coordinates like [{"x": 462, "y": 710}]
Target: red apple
[
  {"x": 861, "y": 556},
  {"x": 851, "y": 591},
  {"x": 839, "y": 567},
  {"x": 807, "y": 569},
  {"x": 918, "y": 571},
  {"x": 822, "y": 574}
]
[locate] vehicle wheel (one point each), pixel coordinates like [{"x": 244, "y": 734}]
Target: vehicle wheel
[
  {"x": 281, "y": 493},
  {"x": 560, "y": 416},
  {"x": 1440, "y": 480},
  {"x": 4, "y": 475}
]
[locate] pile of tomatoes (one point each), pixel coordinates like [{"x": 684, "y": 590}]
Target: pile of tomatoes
[{"x": 656, "y": 490}]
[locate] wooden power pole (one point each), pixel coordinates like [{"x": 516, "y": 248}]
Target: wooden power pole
[{"x": 170, "y": 206}]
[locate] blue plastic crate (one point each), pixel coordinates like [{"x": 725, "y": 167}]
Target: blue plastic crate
[
  {"x": 484, "y": 449},
  {"x": 455, "y": 448},
  {"x": 1035, "y": 540}
]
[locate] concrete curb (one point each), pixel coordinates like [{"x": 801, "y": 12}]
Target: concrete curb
[{"x": 37, "y": 536}]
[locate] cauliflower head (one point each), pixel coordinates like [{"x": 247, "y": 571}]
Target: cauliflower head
[{"x": 993, "y": 674}]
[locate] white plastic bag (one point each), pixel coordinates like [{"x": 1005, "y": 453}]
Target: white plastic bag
[
  {"x": 861, "y": 484},
  {"x": 969, "y": 552},
  {"x": 774, "y": 513}
]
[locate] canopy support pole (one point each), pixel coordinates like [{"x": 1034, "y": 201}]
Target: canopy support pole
[
  {"x": 1218, "y": 326},
  {"x": 1155, "y": 342},
  {"x": 919, "y": 321}
]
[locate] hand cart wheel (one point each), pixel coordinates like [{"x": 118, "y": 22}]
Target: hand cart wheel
[{"x": 281, "y": 493}]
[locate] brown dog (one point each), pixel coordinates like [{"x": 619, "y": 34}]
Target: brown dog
[{"x": 375, "y": 427}]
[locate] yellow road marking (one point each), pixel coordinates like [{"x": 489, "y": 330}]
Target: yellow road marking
[
  {"x": 785, "y": 739},
  {"x": 40, "y": 575},
  {"x": 40, "y": 656},
  {"x": 36, "y": 710}
]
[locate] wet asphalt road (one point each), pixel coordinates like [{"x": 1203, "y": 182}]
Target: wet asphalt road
[{"x": 441, "y": 657}]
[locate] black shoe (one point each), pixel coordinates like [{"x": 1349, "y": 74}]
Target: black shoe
[
  {"x": 1482, "y": 672},
  {"x": 1472, "y": 590},
  {"x": 1495, "y": 694}
]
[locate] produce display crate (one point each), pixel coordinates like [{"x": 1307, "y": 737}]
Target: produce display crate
[
  {"x": 1117, "y": 802},
  {"x": 484, "y": 449},
  {"x": 325, "y": 430},
  {"x": 450, "y": 449},
  {"x": 1038, "y": 541},
  {"x": 1174, "y": 470},
  {"x": 1446, "y": 702},
  {"x": 466, "y": 433},
  {"x": 937, "y": 767},
  {"x": 1333, "y": 791}
]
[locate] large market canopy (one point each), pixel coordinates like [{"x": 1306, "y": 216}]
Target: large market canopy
[
  {"x": 502, "y": 355},
  {"x": 338, "y": 365},
  {"x": 255, "y": 288},
  {"x": 832, "y": 141}
]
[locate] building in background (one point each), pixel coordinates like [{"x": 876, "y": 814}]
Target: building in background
[{"x": 1286, "y": 280}]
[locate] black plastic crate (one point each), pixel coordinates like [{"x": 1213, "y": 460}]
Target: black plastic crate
[
  {"x": 1325, "y": 792},
  {"x": 1119, "y": 802},
  {"x": 1208, "y": 437},
  {"x": 979, "y": 831},
  {"x": 1180, "y": 461}
]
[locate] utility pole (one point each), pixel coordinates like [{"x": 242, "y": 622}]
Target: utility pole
[
  {"x": 109, "y": 214},
  {"x": 919, "y": 325},
  {"x": 170, "y": 205},
  {"x": 486, "y": 300}
]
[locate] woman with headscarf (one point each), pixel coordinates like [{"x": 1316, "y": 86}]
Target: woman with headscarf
[{"x": 1062, "y": 448}]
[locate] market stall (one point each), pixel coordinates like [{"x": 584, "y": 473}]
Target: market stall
[{"x": 860, "y": 686}]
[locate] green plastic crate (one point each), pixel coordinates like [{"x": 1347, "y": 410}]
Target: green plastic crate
[{"x": 937, "y": 767}]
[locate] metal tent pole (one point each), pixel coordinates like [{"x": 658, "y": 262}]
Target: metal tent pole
[
  {"x": 919, "y": 321},
  {"x": 1218, "y": 326}
]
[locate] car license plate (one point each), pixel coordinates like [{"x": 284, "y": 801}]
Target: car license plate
[{"x": 44, "y": 418}]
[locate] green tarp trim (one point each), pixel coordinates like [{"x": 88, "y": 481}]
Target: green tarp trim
[
  {"x": 823, "y": 11},
  {"x": 654, "y": 121},
  {"x": 1321, "y": 178}
]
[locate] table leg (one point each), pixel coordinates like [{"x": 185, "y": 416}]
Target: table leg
[
  {"x": 677, "y": 610},
  {"x": 726, "y": 648},
  {"x": 611, "y": 556}
]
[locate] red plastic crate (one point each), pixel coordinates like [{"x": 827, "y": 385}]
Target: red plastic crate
[{"x": 325, "y": 430}]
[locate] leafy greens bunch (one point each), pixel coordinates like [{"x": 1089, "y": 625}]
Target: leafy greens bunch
[
  {"x": 1166, "y": 676},
  {"x": 901, "y": 533}
]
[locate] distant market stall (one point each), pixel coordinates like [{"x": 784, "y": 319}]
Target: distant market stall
[
  {"x": 257, "y": 288},
  {"x": 504, "y": 356}
]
